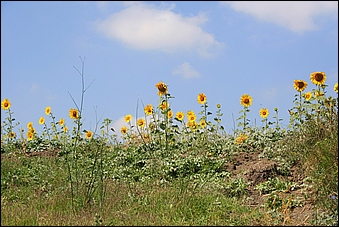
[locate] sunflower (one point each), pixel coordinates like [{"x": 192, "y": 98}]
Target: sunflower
[
  {"x": 128, "y": 118},
  {"x": 65, "y": 129},
  {"x": 48, "y": 110},
  {"x": 41, "y": 120},
  {"x": 30, "y": 125},
  {"x": 74, "y": 114},
  {"x": 123, "y": 130},
  {"x": 162, "y": 88},
  {"x": 5, "y": 104},
  {"x": 179, "y": 116},
  {"x": 263, "y": 112},
  {"x": 61, "y": 122},
  {"x": 190, "y": 112},
  {"x": 192, "y": 125},
  {"x": 191, "y": 117},
  {"x": 300, "y": 85},
  {"x": 308, "y": 96},
  {"x": 202, "y": 123},
  {"x": 148, "y": 109},
  {"x": 218, "y": 106},
  {"x": 246, "y": 100},
  {"x": 335, "y": 88},
  {"x": 318, "y": 78},
  {"x": 30, "y": 135},
  {"x": 170, "y": 114},
  {"x": 240, "y": 139},
  {"x": 11, "y": 134},
  {"x": 164, "y": 105},
  {"x": 32, "y": 130},
  {"x": 89, "y": 134},
  {"x": 141, "y": 123},
  {"x": 202, "y": 98}
]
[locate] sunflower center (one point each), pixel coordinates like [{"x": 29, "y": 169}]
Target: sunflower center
[
  {"x": 318, "y": 77},
  {"x": 162, "y": 88},
  {"x": 246, "y": 100},
  {"x": 300, "y": 84},
  {"x": 6, "y": 104},
  {"x": 74, "y": 114}
]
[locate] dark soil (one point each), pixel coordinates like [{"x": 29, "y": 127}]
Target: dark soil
[{"x": 255, "y": 170}]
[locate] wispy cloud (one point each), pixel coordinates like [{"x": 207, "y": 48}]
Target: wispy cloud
[
  {"x": 186, "y": 71},
  {"x": 298, "y": 16},
  {"x": 147, "y": 27}
]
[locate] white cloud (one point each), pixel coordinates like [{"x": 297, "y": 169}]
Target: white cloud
[
  {"x": 297, "y": 16},
  {"x": 146, "y": 27},
  {"x": 186, "y": 71}
]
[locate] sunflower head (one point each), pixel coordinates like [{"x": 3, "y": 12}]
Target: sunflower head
[
  {"x": 170, "y": 114},
  {"x": 263, "y": 112},
  {"x": 202, "y": 98},
  {"x": 30, "y": 125},
  {"x": 202, "y": 123},
  {"x": 74, "y": 114},
  {"x": 141, "y": 123},
  {"x": 89, "y": 134},
  {"x": 164, "y": 105},
  {"x": 11, "y": 134},
  {"x": 48, "y": 110},
  {"x": 191, "y": 117},
  {"x": 41, "y": 120},
  {"x": 335, "y": 88},
  {"x": 300, "y": 85},
  {"x": 128, "y": 118},
  {"x": 240, "y": 139},
  {"x": 61, "y": 122},
  {"x": 123, "y": 130},
  {"x": 162, "y": 88},
  {"x": 308, "y": 96},
  {"x": 148, "y": 109},
  {"x": 30, "y": 135},
  {"x": 318, "y": 78},
  {"x": 5, "y": 104},
  {"x": 179, "y": 116},
  {"x": 246, "y": 100},
  {"x": 65, "y": 129},
  {"x": 218, "y": 106}
]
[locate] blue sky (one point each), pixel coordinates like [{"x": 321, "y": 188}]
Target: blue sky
[{"x": 223, "y": 49}]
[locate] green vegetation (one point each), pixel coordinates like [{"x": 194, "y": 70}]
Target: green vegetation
[{"x": 171, "y": 169}]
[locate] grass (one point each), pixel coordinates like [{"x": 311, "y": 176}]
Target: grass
[{"x": 166, "y": 171}]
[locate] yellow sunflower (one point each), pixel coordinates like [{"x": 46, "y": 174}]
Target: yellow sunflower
[
  {"x": 240, "y": 139},
  {"x": 202, "y": 123},
  {"x": 164, "y": 105},
  {"x": 246, "y": 100},
  {"x": 65, "y": 129},
  {"x": 74, "y": 114},
  {"x": 11, "y": 134},
  {"x": 48, "y": 110},
  {"x": 123, "y": 130},
  {"x": 308, "y": 95},
  {"x": 263, "y": 112},
  {"x": 141, "y": 123},
  {"x": 192, "y": 125},
  {"x": 179, "y": 115},
  {"x": 32, "y": 130},
  {"x": 162, "y": 88},
  {"x": 30, "y": 135},
  {"x": 5, "y": 104},
  {"x": 41, "y": 120},
  {"x": 218, "y": 106},
  {"x": 300, "y": 85},
  {"x": 318, "y": 78},
  {"x": 202, "y": 98},
  {"x": 61, "y": 121},
  {"x": 191, "y": 117},
  {"x": 335, "y": 88},
  {"x": 128, "y": 118},
  {"x": 30, "y": 125},
  {"x": 89, "y": 134},
  {"x": 148, "y": 109},
  {"x": 190, "y": 112},
  {"x": 170, "y": 114}
]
